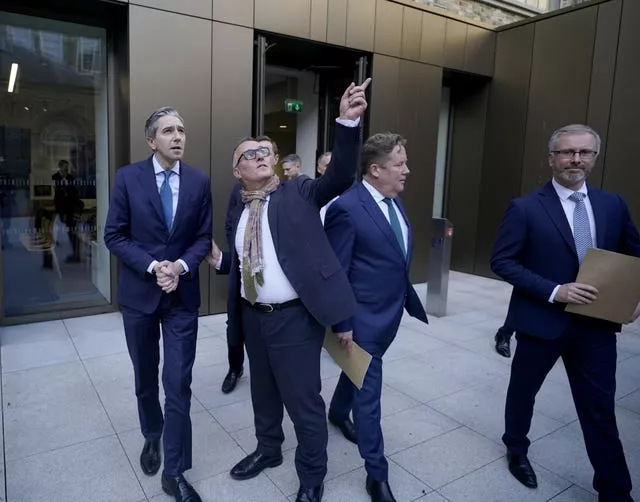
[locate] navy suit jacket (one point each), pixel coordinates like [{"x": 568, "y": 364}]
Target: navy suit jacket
[
  {"x": 136, "y": 233},
  {"x": 303, "y": 251},
  {"x": 535, "y": 252},
  {"x": 375, "y": 264}
]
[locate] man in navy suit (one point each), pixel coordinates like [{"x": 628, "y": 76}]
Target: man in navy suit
[
  {"x": 159, "y": 226},
  {"x": 370, "y": 233},
  {"x": 540, "y": 245},
  {"x": 285, "y": 286}
]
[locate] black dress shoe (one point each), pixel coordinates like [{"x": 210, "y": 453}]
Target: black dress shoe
[
  {"x": 347, "y": 428},
  {"x": 179, "y": 488},
  {"x": 310, "y": 494},
  {"x": 503, "y": 344},
  {"x": 231, "y": 380},
  {"x": 380, "y": 491},
  {"x": 150, "y": 460},
  {"x": 252, "y": 465},
  {"x": 521, "y": 469}
]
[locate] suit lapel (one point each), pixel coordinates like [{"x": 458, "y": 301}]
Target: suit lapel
[
  {"x": 272, "y": 214},
  {"x": 600, "y": 215},
  {"x": 377, "y": 216},
  {"x": 552, "y": 205},
  {"x": 400, "y": 206},
  {"x": 147, "y": 178}
]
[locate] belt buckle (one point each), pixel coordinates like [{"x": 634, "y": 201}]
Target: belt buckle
[{"x": 267, "y": 308}]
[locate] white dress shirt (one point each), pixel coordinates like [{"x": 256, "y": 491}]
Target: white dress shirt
[
  {"x": 569, "y": 207},
  {"x": 323, "y": 209},
  {"x": 174, "y": 184},
  {"x": 379, "y": 198}
]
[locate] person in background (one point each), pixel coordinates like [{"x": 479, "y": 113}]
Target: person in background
[{"x": 291, "y": 165}]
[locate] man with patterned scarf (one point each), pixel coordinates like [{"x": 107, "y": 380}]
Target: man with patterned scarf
[{"x": 286, "y": 285}]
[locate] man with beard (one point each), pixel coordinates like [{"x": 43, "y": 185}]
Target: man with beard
[{"x": 541, "y": 242}]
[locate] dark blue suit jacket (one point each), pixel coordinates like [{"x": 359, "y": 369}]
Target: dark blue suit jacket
[
  {"x": 375, "y": 264},
  {"x": 136, "y": 233},
  {"x": 535, "y": 252},
  {"x": 301, "y": 244}
]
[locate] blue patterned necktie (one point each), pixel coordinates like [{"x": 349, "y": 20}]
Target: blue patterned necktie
[
  {"x": 395, "y": 224},
  {"x": 581, "y": 226},
  {"x": 166, "y": 197}
]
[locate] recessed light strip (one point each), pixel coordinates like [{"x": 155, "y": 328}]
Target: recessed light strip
[{"x": 12, "y": 76}]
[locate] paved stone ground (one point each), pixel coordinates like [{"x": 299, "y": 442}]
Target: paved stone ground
[{"x": 71, "y": 427}]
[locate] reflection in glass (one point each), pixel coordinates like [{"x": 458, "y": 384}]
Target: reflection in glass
[{"x": 53, "y": 166}]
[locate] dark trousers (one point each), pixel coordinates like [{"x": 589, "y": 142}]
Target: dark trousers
[
  {"x": 179, "y": 334},
  {"x": 236, "y": 355},
  {"x": 284, "y": 357},
  {"x": 365, "y": 405},
  {"x": 590, "y": 361}
]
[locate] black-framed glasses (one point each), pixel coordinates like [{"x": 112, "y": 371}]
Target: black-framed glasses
[
  {"x": 251, "y": 154},
  {"x": 570, "y": 154}
]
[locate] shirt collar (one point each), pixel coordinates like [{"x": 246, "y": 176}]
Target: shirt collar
[
  {"x": 377, "y": 196},
  {"x": 157, "y": 168},
  {"x": 564, "y": 193}
]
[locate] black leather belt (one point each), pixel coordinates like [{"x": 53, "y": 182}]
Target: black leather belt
[{"x": 271, "y": 307}]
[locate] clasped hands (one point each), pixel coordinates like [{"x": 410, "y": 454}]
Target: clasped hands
[
  {"x": 168, "y": 275},
  {"x": 583, "y": 294}
]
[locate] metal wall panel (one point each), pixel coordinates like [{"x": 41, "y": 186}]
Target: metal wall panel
[
  {"x": 455, "y": 44},
  {"x": 411, "y": 33},
  {"x": 284, "y": 16},
  {"x": 388, "y": 38},
  {"x": 319, "y": 13},
  {"x": 384, "y": 94},
  {"x": 479, "y": 51},
  {"x": 432, "y": 40},
  {"x": 171, "y": 77},
  {"x": 231, "y": 109},
  {"x": 559, "y": 88},
  {"x": 199, "y": 8},
  {"x": 361, "y": 22},
  {"x": 235, "y": 12},
  {"x": 504, "y": 136},
  {"x": 337, "y": 22}
]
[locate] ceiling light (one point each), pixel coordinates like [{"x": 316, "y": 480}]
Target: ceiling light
[
  {"x": 26, "y": 108},
  {"x": 12, "y": 76},
  {"x": 283, "y": 126}
]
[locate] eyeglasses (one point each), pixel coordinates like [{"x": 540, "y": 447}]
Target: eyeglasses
[
  {"x": 570, "y": 154},
  {"x": 263, "y": 151}
]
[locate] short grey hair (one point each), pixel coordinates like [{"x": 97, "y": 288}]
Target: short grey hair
[
  {"x": 151, "y": 125},
  {"x": 292, "y": 158},
  {"x": 574, "y": 129}
]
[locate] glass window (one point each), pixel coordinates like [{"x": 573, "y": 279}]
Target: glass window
[{"x": 53, "y": 165}]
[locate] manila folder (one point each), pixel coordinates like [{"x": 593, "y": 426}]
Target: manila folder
[
  {"x": 617, "y": 278},
  {"x": 355, "y": 365}
]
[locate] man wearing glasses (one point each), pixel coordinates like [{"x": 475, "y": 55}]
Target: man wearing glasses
[
  {"x": 286, "y": 285},
  {"x": 542, "y": 240}
]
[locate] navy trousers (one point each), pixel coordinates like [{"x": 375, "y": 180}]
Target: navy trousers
[
  {"x": 590, "y": 361},
  {"x": 179, "y": 335}
]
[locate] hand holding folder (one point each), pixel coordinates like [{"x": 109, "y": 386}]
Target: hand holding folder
[{"x": 354, "y": 364}]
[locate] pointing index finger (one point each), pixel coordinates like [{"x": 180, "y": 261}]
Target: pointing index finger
[{"x": 365, "y": 84}]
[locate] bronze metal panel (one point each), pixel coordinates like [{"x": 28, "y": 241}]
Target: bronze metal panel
[
  {"x": 411, "y": 33},
  {"x": 235, "y": 12},
  {"x": 172, "y": 77},
  {"x": 388, "y": 38},
  {"x": 432, "y": 40},
  {"x": 231, "y": 120},
  {"x": 602, "y": 77},
  {"x": 199, "y": 8},
  {"x": 337, "y": 22},
  {"x": 361, "y": 21},
  {"x": 454, "y": 44},
  {"x": 621, "y": 173},
  {"x": 384, "y": 94},
  {"x": 319, "y": 15},
  {"x": 284, "y": 16},
  {"x": 465, "y": 175},
  {"x": 419, "y": 108},
  {"x": 504, "y": 136},
  {"x": 559, "y": 90},
  {"x": 479, "y": 51}
]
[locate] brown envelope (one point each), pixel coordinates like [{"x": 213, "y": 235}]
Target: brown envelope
[
  {"x": 355, "y": 365},
  {"x": 617, "y": 278}
]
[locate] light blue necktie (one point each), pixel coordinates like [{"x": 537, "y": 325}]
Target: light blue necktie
[
  {"x": 581, "y": 226},
  {"x": 166, "y": 197},
  {"x": 395, "y": 224}
]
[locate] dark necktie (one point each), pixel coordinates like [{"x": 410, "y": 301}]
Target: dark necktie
[
  {"x": 166, "y": 197},
  {"x": 581, "y": 227},
  {"x": 395, "y": 224}
]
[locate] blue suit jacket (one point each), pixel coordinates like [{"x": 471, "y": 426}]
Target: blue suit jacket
[
  {"x": 136, "y": 233},
  {"x": 375, "y": 264},
  {"x": 301, "y": 244},
  {"x": 535, "y": 251}
]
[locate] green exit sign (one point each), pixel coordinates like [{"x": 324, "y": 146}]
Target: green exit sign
[{"x": 293, "y": 105}]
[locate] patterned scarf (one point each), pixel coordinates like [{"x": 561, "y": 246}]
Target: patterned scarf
[{"x": 252, "y": 259}]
